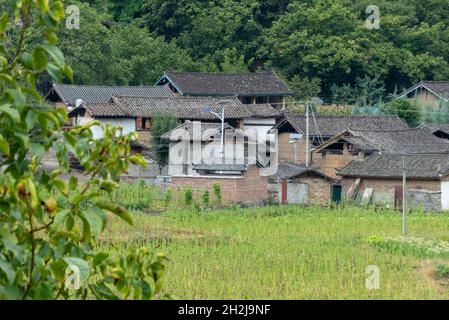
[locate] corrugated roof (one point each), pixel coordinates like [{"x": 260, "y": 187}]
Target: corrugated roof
[
  {"x": 224, "y": 84},
  {"x": 330, "y": 125},
  {"x": 384, "y": 165},
  {"x": 69, "y": 93}
]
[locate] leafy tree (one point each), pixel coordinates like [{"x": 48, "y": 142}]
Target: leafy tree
[
  {"x": 49, "y": 226},
  {"x": 305, "y": 88},
  {"x": 404, "y": 108},
  {"x": 161, "y": 124}
]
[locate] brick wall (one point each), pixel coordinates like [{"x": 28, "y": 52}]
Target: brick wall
[
  {"x": 248, "y": 188},
  {"x": 320, "y": 190}
]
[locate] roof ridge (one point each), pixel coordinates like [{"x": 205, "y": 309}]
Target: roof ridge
[
  {"x": 104, "y": 86},
  {"x": 222, "y": 73}
]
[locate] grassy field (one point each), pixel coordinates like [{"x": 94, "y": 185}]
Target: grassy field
[{"x": 286, "y": 253}]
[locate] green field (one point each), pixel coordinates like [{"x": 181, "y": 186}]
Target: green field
[{"x": 286, "y": 253}]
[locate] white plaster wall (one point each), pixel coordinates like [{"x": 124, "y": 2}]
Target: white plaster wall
[
  {"x": 445, "y": 195},
  {"x": 128, "y": 125}
]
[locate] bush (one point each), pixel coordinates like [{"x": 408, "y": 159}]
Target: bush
[
  {"x": 217, "y": 192},
  {"x": 188, "y": 196},
  {"x": 49, "y": 226},
  {"x": 405, "y": 109}
]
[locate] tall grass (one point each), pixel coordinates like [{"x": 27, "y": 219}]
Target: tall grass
[{"x": 283, "y": 252}]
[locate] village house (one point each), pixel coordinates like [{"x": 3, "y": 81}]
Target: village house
[
  {"x": 439, "y": 130},
  {"x": 134, "y": 114},
  {"x": 350, "y": 145},
  {"x": 378, "y": 180},
  {"x": 298, "y": 184},
  {"x": 196, "y": 160},
  {"x": 251, "y": 88},
  {"x": 428, "y": 93},
  {"x": 66, "y": 95},
  {"x": 322, "y": 127}
]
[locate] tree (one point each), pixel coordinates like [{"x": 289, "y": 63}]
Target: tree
[
  {"x": 161, "y": 124},
  {"x": 305, "y": 88},
  {"x": 49, "y": 226},
  {"x": 405, "y": 109}
]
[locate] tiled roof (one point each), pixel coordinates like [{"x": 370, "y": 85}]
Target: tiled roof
[
  {"x": 263, "y": 111},
  {"x": 145, "y": 150},
  {"x": 184, "y": 108},
  {"x": 220, "y": 167},
  {"x": 288, "y": 170},
  {"x": 208, "y": 130},
  {"x": 384, "y": 165},
  {"x": 223, "y": 84},
  {"x": 416, "y": 140},
  {"x": 439, "y": 88},
  {"x": 330, "y": 125},
  {"x": 69, "y": 93},
  {"x": 433, "y": 127}
]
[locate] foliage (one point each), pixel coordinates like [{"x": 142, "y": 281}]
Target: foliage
[
  {"x": 305, "y": 88},
  {"x": 188, "y": 196},
  {"x": 406, "y": 109},
  {"x": 161, "y": 124},
  {"x": 285, "y": 252},
  {"x": 417, "y": 246},
  {"x": 217, "y": 192},
  {"x": 48, "y": 225},
  {"x": 206, "y": 198}
]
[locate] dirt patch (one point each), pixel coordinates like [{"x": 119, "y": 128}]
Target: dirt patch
[{"x": 427, "y": 268}]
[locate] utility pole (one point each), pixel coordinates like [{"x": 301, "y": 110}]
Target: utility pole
[
  {"x": 307, "y": 136},
  {"x": 404, "y": 199}
]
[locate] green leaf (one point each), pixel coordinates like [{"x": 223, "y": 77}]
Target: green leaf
[
  {"x": 61, "y": 186},
  {"x": 68, "y": 72},
  {"x": 27, "y": 60},
  {"x": 138, "y": 160},
  {"x": 6, "y": 267},
  {"x": 10, "y": 112},
  {"x": 60, "y": 217},
  {"x": 73, "y": 183},
  {"x": 4, "y": 146},
  {"x": 55, "y": 53},
  {"x": 99, "y": 258},
  {"x": 36, "y": 149},
  {"x": 118, "y": 211},
  {"x": 33, "y": 194},
  {"x": 82, "y": 266},
  {"x": 96, "y": 219},
  {"x": 18, "y": 97},
  {"x": 22, "y": 139},
  {"x": 39, "y": 58},
  {"x": 4, "y": 19},
  {"x": 54, "y": 72}
]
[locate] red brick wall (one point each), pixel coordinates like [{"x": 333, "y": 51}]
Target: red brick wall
[{"x": 249, "y": 188}]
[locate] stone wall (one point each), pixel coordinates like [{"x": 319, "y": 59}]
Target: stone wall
[
  {"x": 427, "y": 200},
  {"x": 384, "y": 188}
]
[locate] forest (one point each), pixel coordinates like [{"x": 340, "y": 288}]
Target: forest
[{"x": 321, "y": 47}]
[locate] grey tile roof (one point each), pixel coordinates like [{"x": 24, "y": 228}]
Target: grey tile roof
[
  {"x": 223, "y": 84},
  {"x": 207, "y": 129},
  {"x": 439, "y": 88},
  {"x": 263, "y": 111},
  {"x": 220, "y": 167},
  {"x": 182, "y": 107},
  {"x": 330, "y": 125},
  {"x": 289, "y": 170},
  {"x": 94, "y": 94},
  {"x": 146, "y": 151},
  {"x": 185, "y": 108},
  {"x": 387, "y": 165},
  {"x": 433, "y": 127},
  {"x": 416, "y": 140}
]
